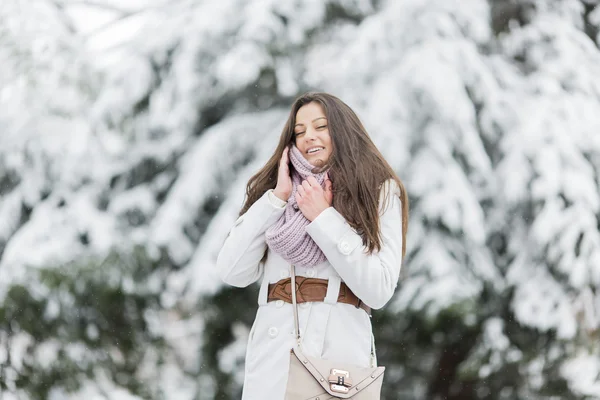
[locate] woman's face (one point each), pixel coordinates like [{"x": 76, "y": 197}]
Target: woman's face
[{"x": 311, "y": 133}]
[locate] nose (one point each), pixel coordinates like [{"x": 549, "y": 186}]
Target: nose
[{"x": 310, "y": 134}]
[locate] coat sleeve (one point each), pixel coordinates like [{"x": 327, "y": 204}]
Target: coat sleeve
[
  {"x": 238, "y": 262},
  {"x": 373, "y": 278}
]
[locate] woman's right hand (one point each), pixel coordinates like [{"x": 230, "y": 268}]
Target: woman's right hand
[{"x": 283, "y": 190}]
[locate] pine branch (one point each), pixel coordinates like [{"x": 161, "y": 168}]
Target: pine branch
[
  {"x": 68, "y": 22},
  {"x": 122, "y": 14},
  {"x": 101, "y": 5}
]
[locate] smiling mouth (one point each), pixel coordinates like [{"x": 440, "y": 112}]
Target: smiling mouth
[{"x": 315, "y": 150}]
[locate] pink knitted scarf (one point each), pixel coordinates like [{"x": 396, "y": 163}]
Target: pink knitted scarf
[{"x": 287, "y": 237}]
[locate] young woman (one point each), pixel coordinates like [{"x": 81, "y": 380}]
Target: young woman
[{"x": 328, "y": 203}]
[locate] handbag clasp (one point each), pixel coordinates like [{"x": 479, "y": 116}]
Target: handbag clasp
[{"x": 339, "y": 381}]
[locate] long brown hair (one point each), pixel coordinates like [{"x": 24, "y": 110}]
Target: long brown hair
[{"x": 356, "y": 168}]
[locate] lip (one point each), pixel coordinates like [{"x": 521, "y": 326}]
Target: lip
[{"x": 315, "y": 147}]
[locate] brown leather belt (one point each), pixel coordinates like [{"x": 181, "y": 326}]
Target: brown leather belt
[{"x": 312, "y": 289}]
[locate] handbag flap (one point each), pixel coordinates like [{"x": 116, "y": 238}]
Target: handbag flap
[{"x": 320, "y": 369}]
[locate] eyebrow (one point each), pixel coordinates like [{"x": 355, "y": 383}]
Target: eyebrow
[{"x": 312, "y": 121}]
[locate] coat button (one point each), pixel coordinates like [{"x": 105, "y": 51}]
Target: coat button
[
  {"x": 279, "y": 303},
  {"x": 310, "y": 273},
  {"x": 304, "y": 305},
  {"x": 273, "y": 331},
  {"x": 344, "y": 247}
]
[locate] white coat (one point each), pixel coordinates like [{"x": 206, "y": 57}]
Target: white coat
[{"x": 330, "y": 330}]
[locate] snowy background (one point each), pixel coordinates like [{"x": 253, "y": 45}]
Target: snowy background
[{"x": 128, "y": 129}]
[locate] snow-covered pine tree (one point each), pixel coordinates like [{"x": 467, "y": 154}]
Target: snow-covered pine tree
[{"x": 128, "y": 138}]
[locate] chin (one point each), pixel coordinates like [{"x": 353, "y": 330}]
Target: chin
[{"x": 318, "y": 162}]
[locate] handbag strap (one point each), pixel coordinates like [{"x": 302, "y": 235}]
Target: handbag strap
[
  {"x": 297, "y": 324},
  {"x": 295, "y": 305}
]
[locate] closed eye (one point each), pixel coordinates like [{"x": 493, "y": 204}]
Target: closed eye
[
  {"x": 298, "y": 133},
  {"x": 322, "y": 127}
]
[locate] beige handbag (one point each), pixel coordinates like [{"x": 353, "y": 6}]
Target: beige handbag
[{"x": 312, "y": 378}]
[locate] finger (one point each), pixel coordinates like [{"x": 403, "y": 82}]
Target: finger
[
  {"x": 285, "y": 165},
  {"x": 300, "y": 190},
  {"x": 328, "y": 181},
  {"x": 313, "y": 182},
  {"x": 306, "y": 185},
  {"x": 328, "y": 185}
]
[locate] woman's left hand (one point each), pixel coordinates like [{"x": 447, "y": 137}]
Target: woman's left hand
[{"x": 312, "y": 199}]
